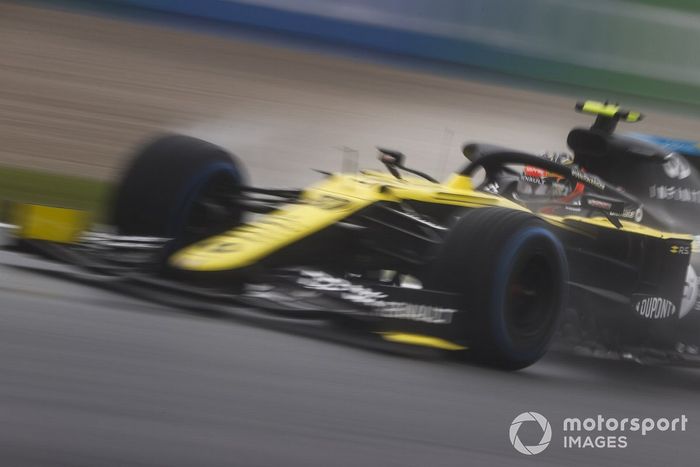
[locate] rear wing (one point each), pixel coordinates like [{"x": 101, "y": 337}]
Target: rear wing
[{"x": 607, "y": 115}]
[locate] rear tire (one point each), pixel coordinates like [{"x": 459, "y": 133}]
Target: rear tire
[
  {"x": 178, "y": 187},
  {"x": 512, "y": 274}
]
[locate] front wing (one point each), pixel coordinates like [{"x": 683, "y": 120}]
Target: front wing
[{"x": 124, "y": 264}]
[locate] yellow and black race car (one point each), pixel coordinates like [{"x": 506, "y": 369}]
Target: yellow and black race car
[{"x": 399, "y": 255}]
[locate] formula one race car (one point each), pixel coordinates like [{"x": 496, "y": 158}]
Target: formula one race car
[
  {"x": 663, "y": 175},
  {"x": 450, "y": 265}
]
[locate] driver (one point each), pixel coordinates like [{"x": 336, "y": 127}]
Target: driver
[{"x": 539, "y": 184}]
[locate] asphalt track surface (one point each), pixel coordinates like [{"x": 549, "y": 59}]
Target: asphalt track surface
[
  {"x": 96, "y": 378},
  {"x": 92, "y": 378}
]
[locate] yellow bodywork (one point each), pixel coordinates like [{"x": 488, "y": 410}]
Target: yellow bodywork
[
  {"x": 342, "y": 195},
  {"x": 421, "y": 340},
  {"x": 321, "y": 206}
]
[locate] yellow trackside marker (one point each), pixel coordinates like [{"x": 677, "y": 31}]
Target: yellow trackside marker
[
  {"x": 421, "y": 340},
  {"x": 49, "y": 223}
]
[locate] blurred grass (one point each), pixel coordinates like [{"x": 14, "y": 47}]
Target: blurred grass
[{"x": 32, "y": 186}]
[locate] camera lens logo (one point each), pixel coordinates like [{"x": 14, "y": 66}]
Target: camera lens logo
[{"x": 546, "y": 433}]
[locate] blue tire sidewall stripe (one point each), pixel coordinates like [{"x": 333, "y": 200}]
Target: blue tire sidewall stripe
[
  {"x": 181, "y": 209},
  {"x": 501, "y": 279}
]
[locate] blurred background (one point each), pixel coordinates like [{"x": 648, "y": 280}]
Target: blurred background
[
  {"x": 89, "y": 378},
  {"x": 288, "y": 84}
]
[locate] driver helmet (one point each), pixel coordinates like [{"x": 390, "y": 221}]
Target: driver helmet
[
  {"x": 564, "y": 158},
  {"x": 535, "y": 181}
]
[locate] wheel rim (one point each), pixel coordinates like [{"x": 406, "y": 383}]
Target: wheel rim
[
  {"x": 213, "y": 208},
  {"x": 530, "y": 304}
]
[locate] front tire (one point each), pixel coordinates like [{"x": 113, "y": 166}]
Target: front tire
[
  {"x": 511, "y": 272},
  {"x": 178, "y": 187}
]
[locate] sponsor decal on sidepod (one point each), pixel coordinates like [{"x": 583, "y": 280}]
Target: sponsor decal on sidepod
[
  {"x": 655, "y": 307},
  {"x": 346, "y": 290}
]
